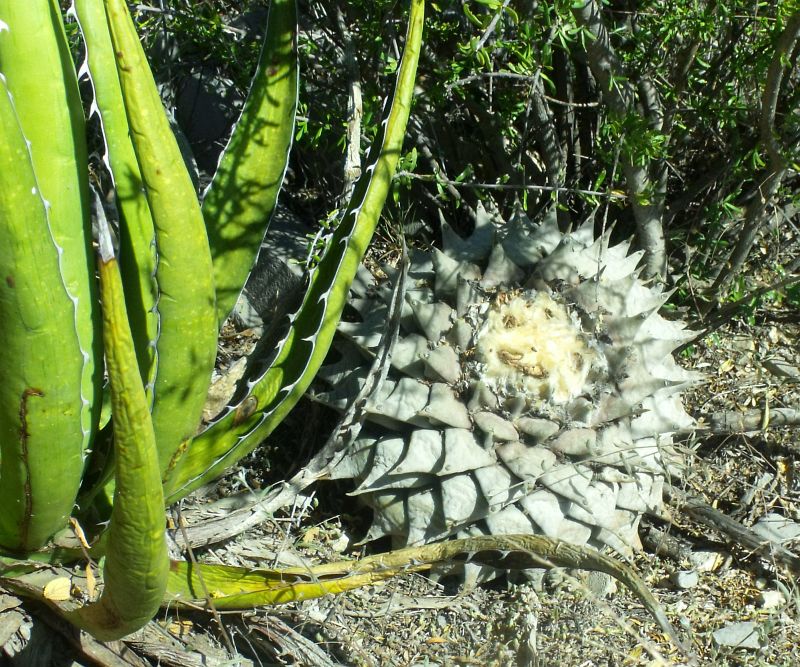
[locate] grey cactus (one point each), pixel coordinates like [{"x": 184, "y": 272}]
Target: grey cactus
[{"x": 532, "y": 390}]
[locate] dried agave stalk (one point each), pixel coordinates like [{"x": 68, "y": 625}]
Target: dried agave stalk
[{"x": 532, "y": 390}]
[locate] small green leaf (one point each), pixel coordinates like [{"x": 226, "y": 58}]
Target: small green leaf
[{"x": 241, "y": 198}]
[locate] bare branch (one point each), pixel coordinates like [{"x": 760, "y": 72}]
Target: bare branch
[
  {"x": 436, "y": 178},
  {"x": 355, "y": 109},
  {"x": 703, "y": 513},
  {"x": 769, "y": 185},
  {"x": 619, "y": 96},
  {"x": 492, "y": 25}
]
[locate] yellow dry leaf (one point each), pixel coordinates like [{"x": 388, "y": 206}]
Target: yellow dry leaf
[
  {"x": 726, "y": 366},
  {"x": 58, "y": 589},
  {"x": 785, "y": 470},
  {"x": 91, "y": 582},
  {"x": 311, "y": 535},
  {"x": 180, "y": 628},
  {"x": 76, "y": 528}
]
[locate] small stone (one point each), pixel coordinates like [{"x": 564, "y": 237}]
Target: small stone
[
  {"x": 341, "y": 544},
  {"x": 599, "y": 583},
  {"x": 738, "y": 635},
  {"x": 222, "y": 390},
  {"x": 770, "y": 599},
  {"x": 685, "y": 579},
  {"x": 8, "y": 602},
  {"x": 777, "y": 528},
  {"x": 10, "y": 622},
  {"x": 706, "y": 561},
  {"x": 781, "y": 368}
]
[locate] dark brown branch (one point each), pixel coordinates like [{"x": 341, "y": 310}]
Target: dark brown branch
[{"x": 546, "y": 136}]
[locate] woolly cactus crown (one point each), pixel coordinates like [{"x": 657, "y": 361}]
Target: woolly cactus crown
[{"x": 532, "y": 390}]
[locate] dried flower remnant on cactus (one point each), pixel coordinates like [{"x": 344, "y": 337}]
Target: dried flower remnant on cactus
[
  {"x": 529, "y": 345},
  {"x": 532, "y": 390}
]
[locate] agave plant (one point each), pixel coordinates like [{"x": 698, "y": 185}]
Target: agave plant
[
  {"x": 532, "y": 391},
  {"x": 76, "y": 478}
]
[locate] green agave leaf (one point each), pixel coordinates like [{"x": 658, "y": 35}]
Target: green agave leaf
[
  {"x": 136, "y": 563},
  {"x": 138, "y": 260},
  {"x": 49, "y": 322},
  {"x": 137, "y": 234},
  {"x": 136, "y": 566},
  {"x": 241, "y": 588},
  {"x": 301, "y": 352},
  {"x": 187, "y": 340},
  {"x": 241, "y": 198}
]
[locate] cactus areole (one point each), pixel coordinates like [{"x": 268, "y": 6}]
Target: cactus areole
[{"x": 532, "y": 390}]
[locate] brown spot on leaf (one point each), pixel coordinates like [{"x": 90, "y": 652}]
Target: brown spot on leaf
[
  {"x": 10, "y": 281},
  {"x": 24, "y": 434},
  {"x": 23, "y": 412},
  {"x": 247, "y": 408},
  {"x": 173, "y": 462}
]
